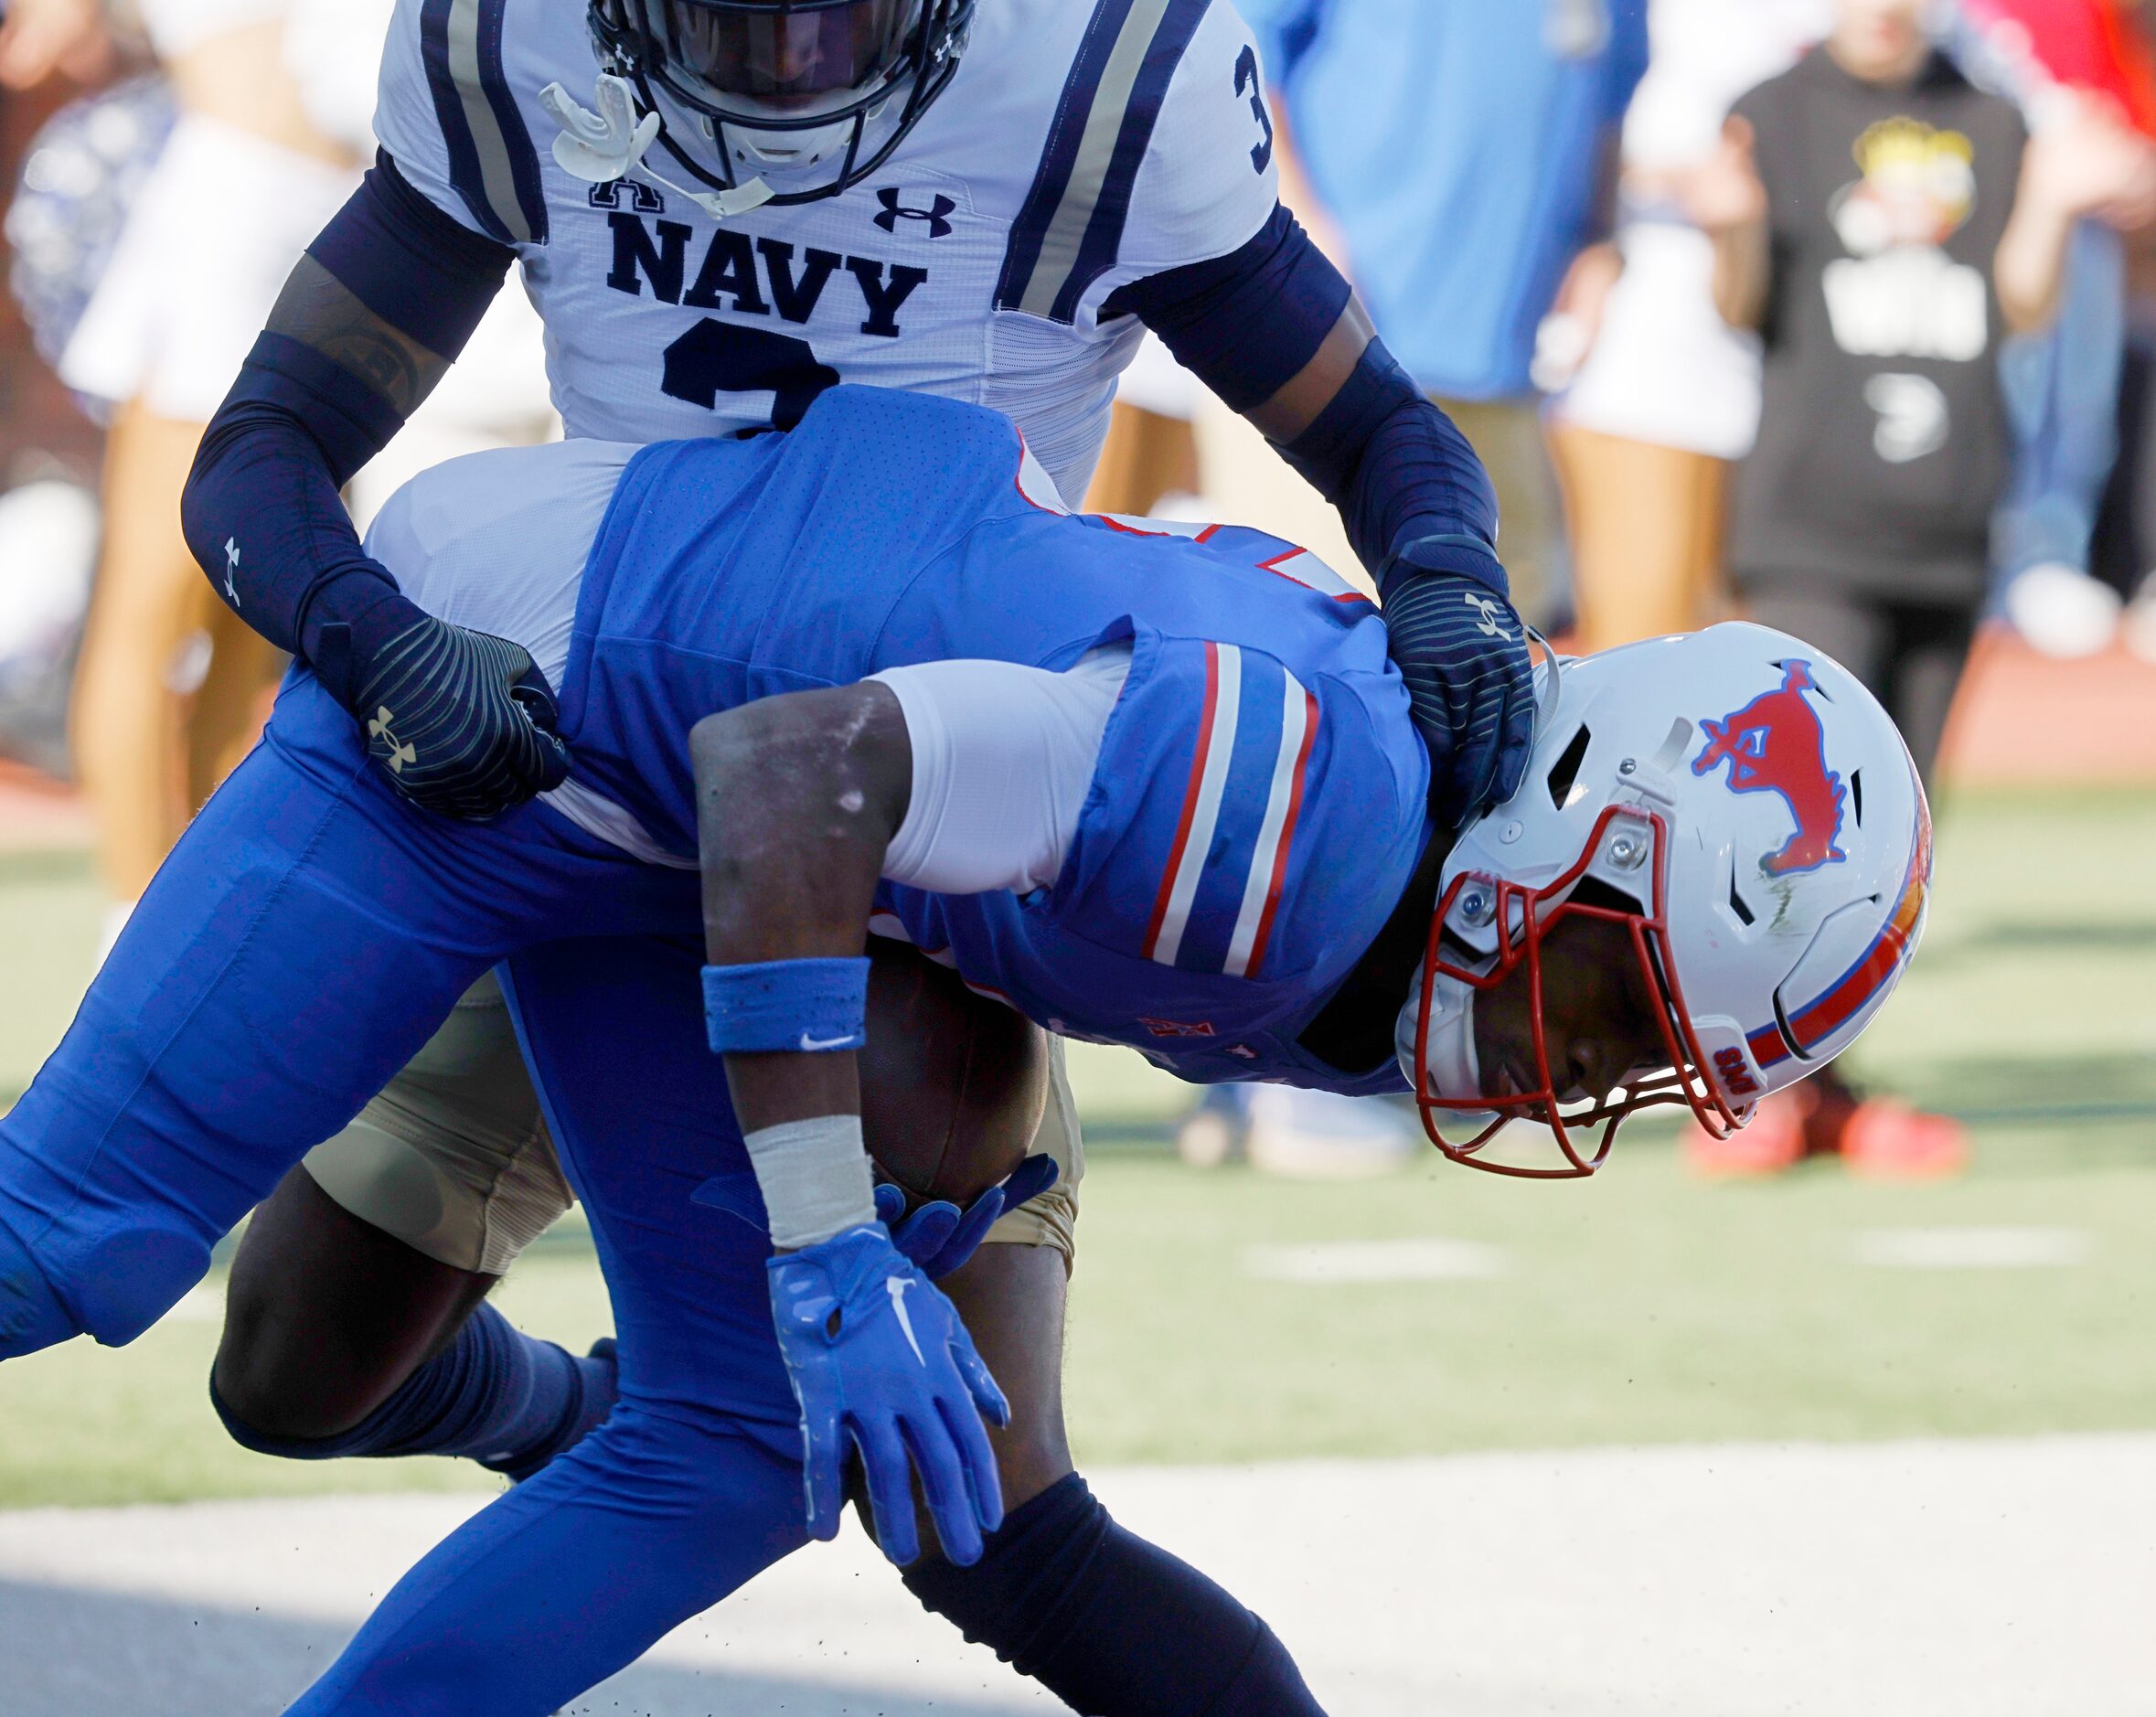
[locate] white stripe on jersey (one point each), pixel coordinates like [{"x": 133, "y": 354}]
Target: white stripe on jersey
[
  {"x": 1096, "y": 145},
  {"x": 1227, "y": 701},
  {"x": 1257, "y": 888},
  {"x": 487, "y": 142}
]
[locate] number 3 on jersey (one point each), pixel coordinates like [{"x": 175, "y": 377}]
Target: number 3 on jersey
[
  {"x": 715, "y": 358},
  {"x": 1246, "y": 79}
]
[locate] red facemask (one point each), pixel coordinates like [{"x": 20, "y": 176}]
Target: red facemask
[{"x": 1525, "y": 918}]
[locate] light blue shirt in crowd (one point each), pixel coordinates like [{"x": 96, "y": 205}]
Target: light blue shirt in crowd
[{"x": 1458, "y": 144}]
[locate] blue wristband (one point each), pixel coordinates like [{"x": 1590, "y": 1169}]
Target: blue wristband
[{"x": 776, "y": 1006}]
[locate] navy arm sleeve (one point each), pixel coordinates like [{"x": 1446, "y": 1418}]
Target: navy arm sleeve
[
  {"x": 260, "y": 512},
  {"x": 1396, "y": 465}
]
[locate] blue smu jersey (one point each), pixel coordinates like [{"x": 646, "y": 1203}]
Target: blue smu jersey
[{"x": 1258, "y": 804}]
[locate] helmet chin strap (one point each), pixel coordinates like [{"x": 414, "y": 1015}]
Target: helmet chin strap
[
  {"x": 1453, "y": 1067},
  {"x": 599, "y": 148}
]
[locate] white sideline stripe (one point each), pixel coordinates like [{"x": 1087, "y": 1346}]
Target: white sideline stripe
[
  {"x": 1974, "y": 1248},
  {"x": 1294, "y": 721},
  {"x": 1227, "y": 708},
  {"x": 1330, "y": 1263},
  {"x": 1983, "y": 1578}
]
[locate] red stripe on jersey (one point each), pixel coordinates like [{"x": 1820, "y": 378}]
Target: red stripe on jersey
[
  {"x": 1275, "y": 568},
  {"x": 1190, "y": 792}
]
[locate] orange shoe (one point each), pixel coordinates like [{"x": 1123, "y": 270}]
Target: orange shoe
[
  {"x": 1885, "y": 1140},
  {"x": 1774, "y": 1142}
]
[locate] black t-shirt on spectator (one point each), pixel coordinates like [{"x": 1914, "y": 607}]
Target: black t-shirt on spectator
[{"x": 1883, "y": 444}]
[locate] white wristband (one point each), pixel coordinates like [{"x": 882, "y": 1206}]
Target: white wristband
[{"x": 814, "y": 1178}]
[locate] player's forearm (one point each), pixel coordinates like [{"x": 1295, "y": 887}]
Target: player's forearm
[
  {"x": 1400, "y": 473},
  {"x": 262, "y": 516},
  {"x": 797, "y": 799},
  {"x": 366, "y": 326},
  {"x": 1276, "y": 332}
]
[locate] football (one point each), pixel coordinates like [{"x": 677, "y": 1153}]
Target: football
[{"x": 952, "y": 1084}]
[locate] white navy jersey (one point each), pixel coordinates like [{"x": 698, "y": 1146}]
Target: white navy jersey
[{"x": 1083, "y": 144}]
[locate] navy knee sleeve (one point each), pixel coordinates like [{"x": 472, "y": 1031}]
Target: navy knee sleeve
[
  {"x": 1111, "y": 1625},
  {"x": 31, "y": 1315},
  {"x": 508, "y": 1400}
]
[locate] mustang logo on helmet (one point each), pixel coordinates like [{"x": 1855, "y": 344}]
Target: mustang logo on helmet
[{"x": 1776, "y": 744}]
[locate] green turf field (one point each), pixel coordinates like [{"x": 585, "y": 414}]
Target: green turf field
[{"x": 1641, "y": 1305}]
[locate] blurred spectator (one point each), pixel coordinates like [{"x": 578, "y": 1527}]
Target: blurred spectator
[
  {"x": 2123, "y": 554},
  {"x": 1862, "y": 517},
  {"x": 167, "y": 692},
  {"x": 2102, "y": 46},
  {"x": 1465, "y": 151},
  {"x": 275, "y": 103},
  {"x": 48, "y": 38},
  {"x": 1669, "y": 394},
  {"x": 48, "y": 451},
  {"x": 2063, "y": 385}
]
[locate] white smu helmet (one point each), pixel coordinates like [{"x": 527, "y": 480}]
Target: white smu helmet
[{"x": 1746, "y": 806}]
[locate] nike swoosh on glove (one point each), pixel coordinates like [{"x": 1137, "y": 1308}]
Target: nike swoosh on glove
[
  {"x": 879, "y": 1358},
  {"x": 1460, "y": 647},
  {"x": 461, "y": 722},
  {"x": 939, "y": 1237}
]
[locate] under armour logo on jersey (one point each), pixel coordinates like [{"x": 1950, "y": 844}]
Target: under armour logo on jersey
[
  {"x": 380, "y": 733},
  {"x": 934, "y": 214},
  {"x": 1492, "y": 613},
  {"x": 231, "y": 567}
]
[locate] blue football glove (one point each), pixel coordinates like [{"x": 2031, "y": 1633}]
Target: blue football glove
[
  {"x": 877, "y": 1355},
  {"x": 939, "y": 1237},
  {"x": 1460, "y": 647},
  {"x": 461, "y": 722}
]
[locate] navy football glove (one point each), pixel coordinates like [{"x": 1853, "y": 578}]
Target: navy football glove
[
  {"x": 939, "y": 1237},
  {"x": 1462, "y": 650},
  {"x": 877, "y": 1357},
  {"x": 462, "y": 722}
]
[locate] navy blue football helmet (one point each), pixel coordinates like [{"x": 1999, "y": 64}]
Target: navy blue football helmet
[{"x": 811, "y": 96}]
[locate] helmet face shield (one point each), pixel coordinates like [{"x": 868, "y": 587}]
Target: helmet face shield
[
  {"x": 815, "y": 94},
  {"x": 787, "y": 55},
  {"x": 1524, "y": 919}
]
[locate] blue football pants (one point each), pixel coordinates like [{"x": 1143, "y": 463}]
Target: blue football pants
[{"x": 303, "y": 940}]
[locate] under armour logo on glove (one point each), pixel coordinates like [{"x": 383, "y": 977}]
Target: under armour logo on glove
[
  {"x": 939, "y": 206},
  {"x": 391, "y": 750},
  {"x": 1492, "y": 613},
  {"x": 1470, "y": 682},
  {"x": 462, "y": 722}
]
